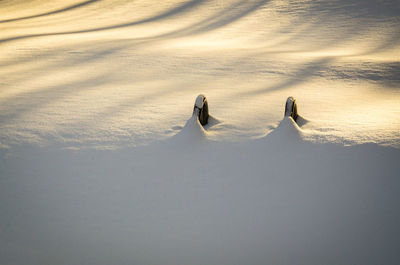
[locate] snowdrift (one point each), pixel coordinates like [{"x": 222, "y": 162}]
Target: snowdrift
[
  {"x": 100, "y": 162},
  {"x": 191, "y": 200}
]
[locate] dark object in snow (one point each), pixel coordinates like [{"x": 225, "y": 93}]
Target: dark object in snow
[
  {"x": 201, "y": 109},
  {"x": 291, "y": 108}
]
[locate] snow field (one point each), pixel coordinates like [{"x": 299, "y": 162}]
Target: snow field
[{"x": 102, "y": 163}]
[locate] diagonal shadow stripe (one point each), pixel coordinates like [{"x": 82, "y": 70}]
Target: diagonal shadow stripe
[
  {"x": 172, "y": 12},
  {"x": 52, "y": 12}
]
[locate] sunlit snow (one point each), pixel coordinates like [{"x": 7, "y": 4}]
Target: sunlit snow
[{"x": 101, "y": 161}]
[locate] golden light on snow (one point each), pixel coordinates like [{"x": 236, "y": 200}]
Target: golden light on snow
[
  {"x": 69, "y": 63},
  {"x": 103, "y": 162}
]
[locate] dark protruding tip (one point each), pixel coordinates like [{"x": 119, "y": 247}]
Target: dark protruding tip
[
  {"x": 201, "y": 105},
  {"x": 291, "y": 108}
]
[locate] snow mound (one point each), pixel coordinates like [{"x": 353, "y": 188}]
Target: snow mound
[
  {"x": 287, "y": 131},
  {"x": 192, "y": 132}
]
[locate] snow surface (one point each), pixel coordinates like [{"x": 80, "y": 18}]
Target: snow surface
[{"x": 101, "y": 161}]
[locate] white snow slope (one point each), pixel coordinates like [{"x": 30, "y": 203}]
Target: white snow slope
[{"x": 102, "y": 163}]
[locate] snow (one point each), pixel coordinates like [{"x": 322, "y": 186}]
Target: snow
[
  {"x": 103, "y": 162},
  {"x": 199, "y": 101}
]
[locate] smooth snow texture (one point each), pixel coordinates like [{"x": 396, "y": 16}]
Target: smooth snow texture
[
  {"x": 189, "y": 200},
  {"x": 109, "y": 74},
  {"x": 101, "y": 162},
  {"x": 192, "y": 132}
]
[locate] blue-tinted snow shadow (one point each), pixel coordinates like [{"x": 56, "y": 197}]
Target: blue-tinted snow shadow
[{"x": 150, "y": 203}]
